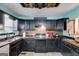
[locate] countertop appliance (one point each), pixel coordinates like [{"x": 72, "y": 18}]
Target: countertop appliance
[
  {"x": 50, "y": 34},
  {"x": 40, "y": 36}
]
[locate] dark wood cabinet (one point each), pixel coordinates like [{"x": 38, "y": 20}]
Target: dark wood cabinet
[
  {"x": 15, "y": 48},
  {"x": 60, "y": 24},
  {"x": 39, "y": 45},
  {"x": 28, "y": 44},
  {"x": 27, "y": 26},
  {"x": 51, "y": 45},
  {"x": 21, "y": 25},
  {"x": 32, "y": 24},
  {"x": 48, "y": 23},
  {"x": 66, "y": 50},
  {"x": 69, "y": 50},
  {"x": 51, "y": 24}
]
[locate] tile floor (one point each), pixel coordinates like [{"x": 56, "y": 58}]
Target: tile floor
[{"x": 25, "y": 53}]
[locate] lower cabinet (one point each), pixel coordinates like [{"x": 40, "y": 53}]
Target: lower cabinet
[
  {"x": 38, "y": 45},
  {"x": 65, "y": 50},
  {"x": 15, "y": 48},
  {"x": 69, "y": 50},
  {"x": 74, "y": 50},
  {"x": 28, "y": 45},
  {"x": 51, "y": 45}
]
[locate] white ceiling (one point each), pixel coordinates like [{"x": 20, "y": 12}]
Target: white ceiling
[{"x": 61, "y": 10}]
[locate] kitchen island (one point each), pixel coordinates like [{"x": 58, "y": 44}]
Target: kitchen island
[{"x": 39, "y": 45}]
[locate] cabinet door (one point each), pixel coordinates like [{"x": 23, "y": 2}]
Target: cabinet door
[
  {"x": 28, "y": 45},
  {"x": 27, "y": 23},
  {"x": 51, "y": 45},
  {"x": 21, "y": 25},
  {"x": 15, "y": 48},
  {"x": 53, "y": 24},
  {"x": 40, "y": 46},
  {"x": 48, "y": 24},
  {"x": 60, "y": 24},
  {"x": 67, "y": 50},
  {"x": 32, "y": 24},
  {"x": 13, "y": 51},
  {"x": 64, "y": 48}
]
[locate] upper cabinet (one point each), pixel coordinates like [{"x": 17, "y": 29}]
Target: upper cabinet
[
  {"x": 21, "y": 25},
  {"x": 60, "y": 24},
  {"x": 40, "y": 21},
  {"x": 51, "y": 24},
  {"x": 32, "y": 25},
  {"x": 26, "y": 25}
]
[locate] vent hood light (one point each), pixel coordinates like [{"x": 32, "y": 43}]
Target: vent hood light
[{"x": 43, "y": 27}]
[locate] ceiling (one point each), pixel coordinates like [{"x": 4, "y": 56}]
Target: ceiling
[{"x": 63, "y": 10}]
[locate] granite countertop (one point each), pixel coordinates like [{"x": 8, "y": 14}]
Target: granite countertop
[
  {"x": 39, "y": 38},
  {"x": 71, "y": 42},
  {"x": 8, "y": 41}
]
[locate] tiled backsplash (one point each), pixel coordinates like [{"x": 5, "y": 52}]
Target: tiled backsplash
[
  {"x": 32, "y": 33},
  {"x": 14, "y": 33}
]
